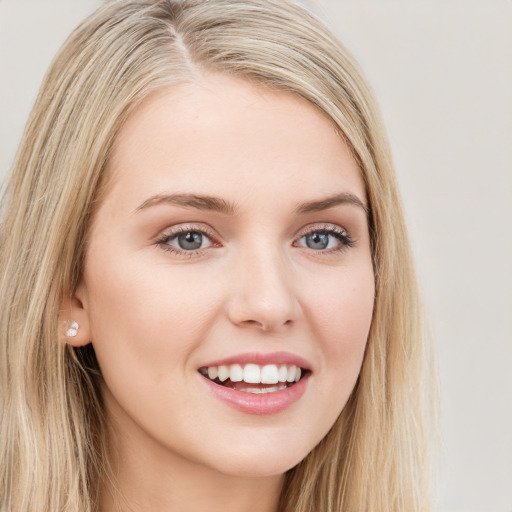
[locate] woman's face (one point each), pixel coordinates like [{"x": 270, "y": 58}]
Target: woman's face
[{"x": 231, "y": 248}]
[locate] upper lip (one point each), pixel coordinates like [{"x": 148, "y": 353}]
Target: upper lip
[{"x": 261, "y": 359}]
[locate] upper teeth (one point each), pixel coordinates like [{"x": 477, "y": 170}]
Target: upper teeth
[{"x": 253, "y": 373}]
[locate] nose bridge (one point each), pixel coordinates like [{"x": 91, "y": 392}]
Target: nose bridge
[{"x": 264, "y": 295}]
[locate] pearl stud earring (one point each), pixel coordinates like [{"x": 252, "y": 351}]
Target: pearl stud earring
[{"x": 72, "y": 328}]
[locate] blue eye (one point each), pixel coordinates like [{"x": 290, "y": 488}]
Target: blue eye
[
  {"x": 185, "y": 241},
  {"x": 189, "y": 241},
  {"x": 318, "y": 241},
  {"x": 326, "y": 239}
]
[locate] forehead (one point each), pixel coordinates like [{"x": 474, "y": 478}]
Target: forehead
[{"x": 228, "y": 136}]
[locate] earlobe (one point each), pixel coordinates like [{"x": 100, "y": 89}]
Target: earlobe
[{"x": 74, "y": 326}]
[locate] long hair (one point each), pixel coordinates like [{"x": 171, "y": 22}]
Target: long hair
[{"x": 376, "y": 457}]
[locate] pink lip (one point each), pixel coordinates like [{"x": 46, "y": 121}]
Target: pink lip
[
  {"x": 262, "y": 359},
  {"x": 262, "y": 404}
]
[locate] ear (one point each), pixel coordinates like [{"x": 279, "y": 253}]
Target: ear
[{"x": 74, "y": 328}]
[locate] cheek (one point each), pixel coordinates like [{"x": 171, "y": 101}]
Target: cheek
[
  {"x": 341, "y": 314},
  {"x": 144, "y": 312},
  {"x": 343, "y": 308}
]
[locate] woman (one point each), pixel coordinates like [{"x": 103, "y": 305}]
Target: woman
[{"x": 208, "y": 299}]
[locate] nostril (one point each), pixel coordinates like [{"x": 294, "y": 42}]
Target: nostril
[{"x": 266, "y": 325}]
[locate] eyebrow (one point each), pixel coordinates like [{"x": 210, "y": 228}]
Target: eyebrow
[
  {"x": 216, "y": 204},
  {"x": 331, "y": 202},
  {"x": 200, "y": 202}
]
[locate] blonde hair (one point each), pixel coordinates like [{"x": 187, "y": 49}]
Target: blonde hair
[{"x": 52, "y": 438}]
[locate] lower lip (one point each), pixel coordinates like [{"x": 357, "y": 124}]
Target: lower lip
[{"x": 260, "y": 404}]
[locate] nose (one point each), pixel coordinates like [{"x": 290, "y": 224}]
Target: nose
[{"x": 262, "y": 293}]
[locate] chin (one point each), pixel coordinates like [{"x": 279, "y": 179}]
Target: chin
[
  {"x": 260, "y": 468},
  {"x": 258, "y": 458}
]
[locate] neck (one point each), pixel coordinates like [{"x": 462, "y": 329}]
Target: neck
[{"x": 171, "y": 492}]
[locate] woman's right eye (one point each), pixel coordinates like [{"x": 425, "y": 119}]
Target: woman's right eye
[
  {"x": 189, "y": 241},
  {"x": 185, "y": 241}
]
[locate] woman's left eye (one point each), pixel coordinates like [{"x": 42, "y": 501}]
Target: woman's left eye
[{"x": 325, "y": 240}]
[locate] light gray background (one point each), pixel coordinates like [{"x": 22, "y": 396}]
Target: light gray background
[{"x": 442, "y": 70}]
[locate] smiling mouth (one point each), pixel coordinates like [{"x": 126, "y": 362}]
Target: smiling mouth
[{"x": 253, "y": 378}]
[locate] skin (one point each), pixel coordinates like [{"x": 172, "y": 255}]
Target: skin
[{"x": 155, "y": 315}]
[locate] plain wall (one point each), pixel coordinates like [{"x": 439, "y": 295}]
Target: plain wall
[{"x": 442, "y": 70}]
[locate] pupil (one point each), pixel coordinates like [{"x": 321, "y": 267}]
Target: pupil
[
  {"x": 317, "y": 240},
  {"x": 190, "y": 240}
]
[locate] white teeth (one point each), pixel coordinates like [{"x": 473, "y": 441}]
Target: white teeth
[
  {"x": 252, "y": 374},
  {"x": 236, "y": 373},
  {"x": 269, "y": 374},
  {"x": 283, "y": 372},
  {"x": 223, "y": 373},
  {"x": 260, "y": 391}
]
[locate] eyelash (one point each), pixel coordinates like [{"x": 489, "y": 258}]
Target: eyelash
[{"x": 346, "y": 241}]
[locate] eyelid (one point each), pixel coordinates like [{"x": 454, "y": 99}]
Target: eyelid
[
  {"x": 176, "y": 229},
  {"x": 321, "y": 226}
]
